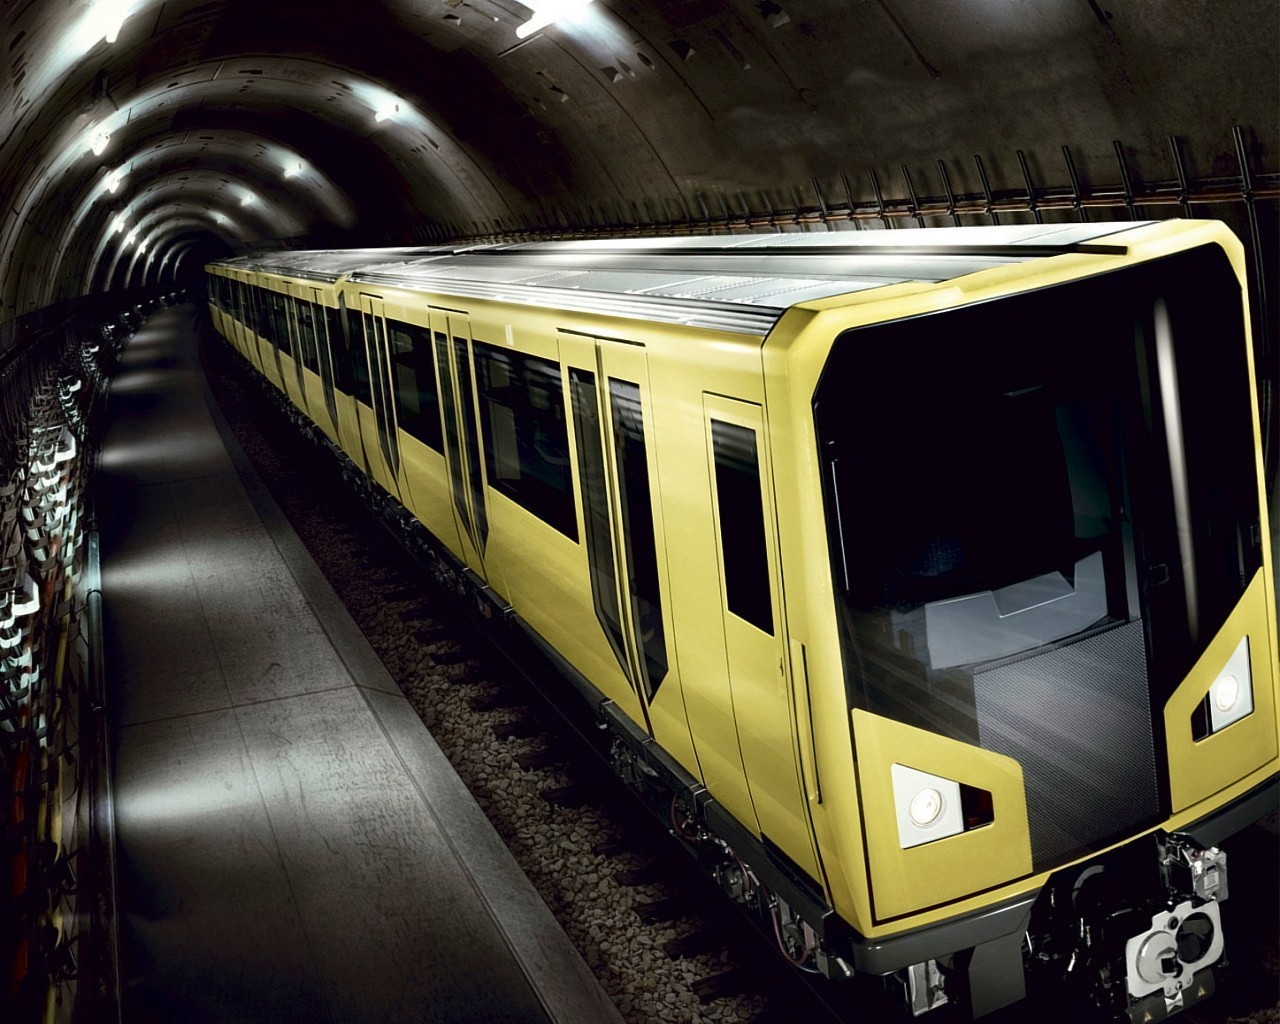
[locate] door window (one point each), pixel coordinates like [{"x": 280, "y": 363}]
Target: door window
[
  {"x": 526, "y": 440},
  {"x": 740, "y": 505},
  {"x": 631, "y": 457}
]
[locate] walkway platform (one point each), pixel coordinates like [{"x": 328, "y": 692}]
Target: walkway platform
[{"x": 292, "y": 844}]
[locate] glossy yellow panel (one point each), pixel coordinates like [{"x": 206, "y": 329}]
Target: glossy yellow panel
[
  {"x": 1199, "y": 769},
  {"x": 903, "y": 881},
  {"x": 427, "y": 480},
  {"x": 349, "y": 426},
  {"x": 318, "y": 411}
]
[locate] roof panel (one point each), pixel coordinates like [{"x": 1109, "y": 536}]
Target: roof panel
[{"x": 737, "y": 283}]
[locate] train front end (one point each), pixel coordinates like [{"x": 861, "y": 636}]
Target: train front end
[{"x": 1057, "y": 626}]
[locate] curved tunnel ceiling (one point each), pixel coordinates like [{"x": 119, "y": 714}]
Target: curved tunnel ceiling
[{"x": 228, "y": 123}]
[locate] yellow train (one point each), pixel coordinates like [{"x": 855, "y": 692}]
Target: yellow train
[{"x": 925, "y": 574}]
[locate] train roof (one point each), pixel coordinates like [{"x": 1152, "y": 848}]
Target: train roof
[
  {"x": 739, "y": 283},
  {"x": 330, "y": 264}
]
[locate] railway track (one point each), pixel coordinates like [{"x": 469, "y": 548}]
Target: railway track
[{"x": 664, "y": 941}]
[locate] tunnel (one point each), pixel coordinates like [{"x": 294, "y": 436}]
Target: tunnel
[{"x": 144, "y": 140}]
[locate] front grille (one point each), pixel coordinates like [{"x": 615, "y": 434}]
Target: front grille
[{"x": 1078, "y": 719}]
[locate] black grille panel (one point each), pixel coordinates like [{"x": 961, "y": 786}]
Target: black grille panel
[{"x": 1078, "y": 720}]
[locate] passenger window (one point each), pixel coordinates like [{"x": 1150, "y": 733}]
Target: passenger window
[
  {"x": 595, "y": 508},
  {"x": 280, "y": 323},
  {"x": 740, "y": 502},
  {"x": 471, "y": 432},
  {"x": 304, "y": 316},
  {"x": 638, "y": 526},
  {"x": 339, "y": 349},
  {"x": 451, "y": 430},
  {"x": 413, "y": 371},
  {"x": 358, "y": 360},
  {"x": 526, "y": 440}
]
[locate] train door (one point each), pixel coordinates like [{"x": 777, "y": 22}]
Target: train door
[
  {"x": 379, "y": 422},
  {"x": 451, "y": 336},
  {"x": 617, "y": 467},
  {"x": 746, "y": 534}
]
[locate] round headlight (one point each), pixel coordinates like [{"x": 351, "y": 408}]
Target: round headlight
[
  {"x": 1226, "y": 691},
  {"x": 926, "y": 807}
]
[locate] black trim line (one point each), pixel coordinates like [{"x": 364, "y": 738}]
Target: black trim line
[{"x": 1236, "y": 816}]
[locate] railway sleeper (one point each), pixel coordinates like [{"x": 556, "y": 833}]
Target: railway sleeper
[
  {"x": 536, "y": 760},
  {"x": 735, "y": 981},
  {"x": 494, "y": 699},
  {"x": 661, "y": 910},
  {"x": 571, "y": 794},
  {"x": 641, "y": 874},
  {"x": 518, "y": 728},
  {"x": 703, "y": 940},
  {"x": 451, "y": 654}
]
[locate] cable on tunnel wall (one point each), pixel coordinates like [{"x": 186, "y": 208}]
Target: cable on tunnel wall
[{"x": 54, "y": 850}]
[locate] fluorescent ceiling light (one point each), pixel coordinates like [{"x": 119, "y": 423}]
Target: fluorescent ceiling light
[
  {"x": 105, "y": 19},
  {"x": 545, "y": 12},
  {"x": 295, "y": 168},
  {"x": 117, "y": 225},
  {"x": 387, "y": 109},
  {"x": 114, "y": 180},
  {"x": 99, "y": 142}
]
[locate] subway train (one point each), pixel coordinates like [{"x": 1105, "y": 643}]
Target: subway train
[{"x": 923, "y": 576}]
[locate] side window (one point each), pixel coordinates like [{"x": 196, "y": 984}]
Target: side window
[
  {"x": 740, "y": 504},
  {"x": 359, "y": 364},
  {"x": 413, "y": 369},
  {"x": 304, "y": 317},
  {"x": 338, "y": 346},
  {"x": 251, "y": 308},
  {"x": 280, "y": 323},
  {"x": 631, "y": 458},
  {"x": 526, "y": 441}
]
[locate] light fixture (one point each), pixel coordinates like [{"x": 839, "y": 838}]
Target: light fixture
[
  {"x": 1230, "y": 698},
  {"x": 114, "y": 180},
  {"x": 118, "y": 224},
  {"x": 142, "y": 247},
  {"x": 248, "y": 199},
  {"x": 545, "y": 12},
  {"x": 131, "y": 237},
  {"x": 105, "y": 19},
  {"x": 99, "y": 142},
  {"x": 928, "y": 806},
  {"x": 295, "y": 168},
  {"x": 386, "y": 109}
]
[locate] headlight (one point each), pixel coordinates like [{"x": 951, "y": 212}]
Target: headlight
[
  {"x": 1230, "y": 698},
  {"x": 928, "y": 806}
]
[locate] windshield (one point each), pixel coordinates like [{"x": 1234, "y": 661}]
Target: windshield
[
  {"x": 983, "y": 465},
  {"x": 1040, "y": 510}
]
